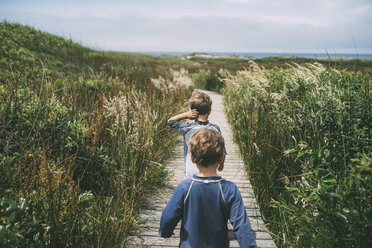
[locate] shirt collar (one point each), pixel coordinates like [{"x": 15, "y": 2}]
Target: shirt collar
[
  {"x": 206, "y": 178},
  {"x": 202, "y": 122}
]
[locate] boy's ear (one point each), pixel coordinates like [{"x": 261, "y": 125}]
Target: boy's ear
[
  {"x": 221, "y": 162},
  {"x": 192, "y": 159},
  {"x": 222, "y": 159}
]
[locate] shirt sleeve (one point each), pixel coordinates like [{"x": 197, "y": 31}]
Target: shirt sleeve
[
  {"x": 179, "y": 126},
  {"x": 240, "y": 222},
  {"x": 172, "y": 213}
]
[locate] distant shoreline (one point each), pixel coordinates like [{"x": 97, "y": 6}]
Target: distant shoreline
[{"x": 262, "y": 55}]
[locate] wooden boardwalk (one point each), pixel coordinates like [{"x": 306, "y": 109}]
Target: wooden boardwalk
[{"x": 234, "y": 171}]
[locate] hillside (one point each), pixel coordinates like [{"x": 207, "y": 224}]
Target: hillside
[{"x": 75, "y": 161}]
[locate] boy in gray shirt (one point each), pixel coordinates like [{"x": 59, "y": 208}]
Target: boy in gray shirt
[{"x": 200, "y": 109}]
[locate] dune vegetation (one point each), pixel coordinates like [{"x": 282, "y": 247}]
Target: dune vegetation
[
  {"x": 77, "y": 132},
  {"x": 78, "y": 128},
  {"x": 304, "y": 134}
]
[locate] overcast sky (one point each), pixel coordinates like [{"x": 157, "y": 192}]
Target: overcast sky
[{"x": 203, "y": 25}]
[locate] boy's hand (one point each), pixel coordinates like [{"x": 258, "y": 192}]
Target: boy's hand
[{"x": 192, "y": 114}]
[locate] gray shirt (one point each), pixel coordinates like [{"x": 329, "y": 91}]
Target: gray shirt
[{"x": 187, "y": 129}]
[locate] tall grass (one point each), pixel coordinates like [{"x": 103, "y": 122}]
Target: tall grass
[
  {"x": 304, "y": 133},
  {"x": 78, "y": 130}
]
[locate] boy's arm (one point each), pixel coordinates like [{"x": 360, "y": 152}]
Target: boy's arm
[
  {"x": 191, "y": 114},
  {"x": 240, "y": 222},
  {"x": 172, "y": 213},
  {"x": 182, "y": 127}
]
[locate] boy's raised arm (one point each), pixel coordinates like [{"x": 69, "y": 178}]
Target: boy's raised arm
[{"x": 191, "y": 114}]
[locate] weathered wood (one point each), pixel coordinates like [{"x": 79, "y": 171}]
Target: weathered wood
[{"x": 234, "y": 171}]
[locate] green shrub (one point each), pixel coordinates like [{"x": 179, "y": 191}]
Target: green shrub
[{"x": 208, "y": 81}]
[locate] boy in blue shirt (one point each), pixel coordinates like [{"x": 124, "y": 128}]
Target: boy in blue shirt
[
  {"x": 200, "y": 109},
  {"x": 205, "y": 202}
]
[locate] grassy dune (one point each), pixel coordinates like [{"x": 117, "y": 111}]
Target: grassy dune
[
  {"x": 209, "y": 71},
  {"x": 78, "y": 129},
  {"x": 304, "y": 134},
  {"x": 77, "y": 132}
]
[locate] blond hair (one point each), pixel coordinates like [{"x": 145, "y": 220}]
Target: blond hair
[
  {"x": 206, "y": 146},
  {"x": 201, "y": 102}
]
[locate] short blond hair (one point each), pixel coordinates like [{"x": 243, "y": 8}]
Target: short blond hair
[
  {"x": 201, "y": 102},
  {"x": 206, "y": 146}
]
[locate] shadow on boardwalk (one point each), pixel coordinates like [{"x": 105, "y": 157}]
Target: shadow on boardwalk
[{"x": 234, "y": 171}]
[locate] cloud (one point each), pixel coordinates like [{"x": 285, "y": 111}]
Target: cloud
[
  {"x": 242, "y": 1},
  {"x": 227, "y": 25}
]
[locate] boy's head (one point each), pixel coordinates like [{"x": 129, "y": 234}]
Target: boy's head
[
  {"x": 206, "y": 146},
  {"x": 201, "y": 102}
]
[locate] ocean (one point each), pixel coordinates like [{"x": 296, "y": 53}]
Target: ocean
[{"x": 263, "y": 55}]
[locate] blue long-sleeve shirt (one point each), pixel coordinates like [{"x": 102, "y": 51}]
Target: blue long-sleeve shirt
[{"x": 204, "y": 212}]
